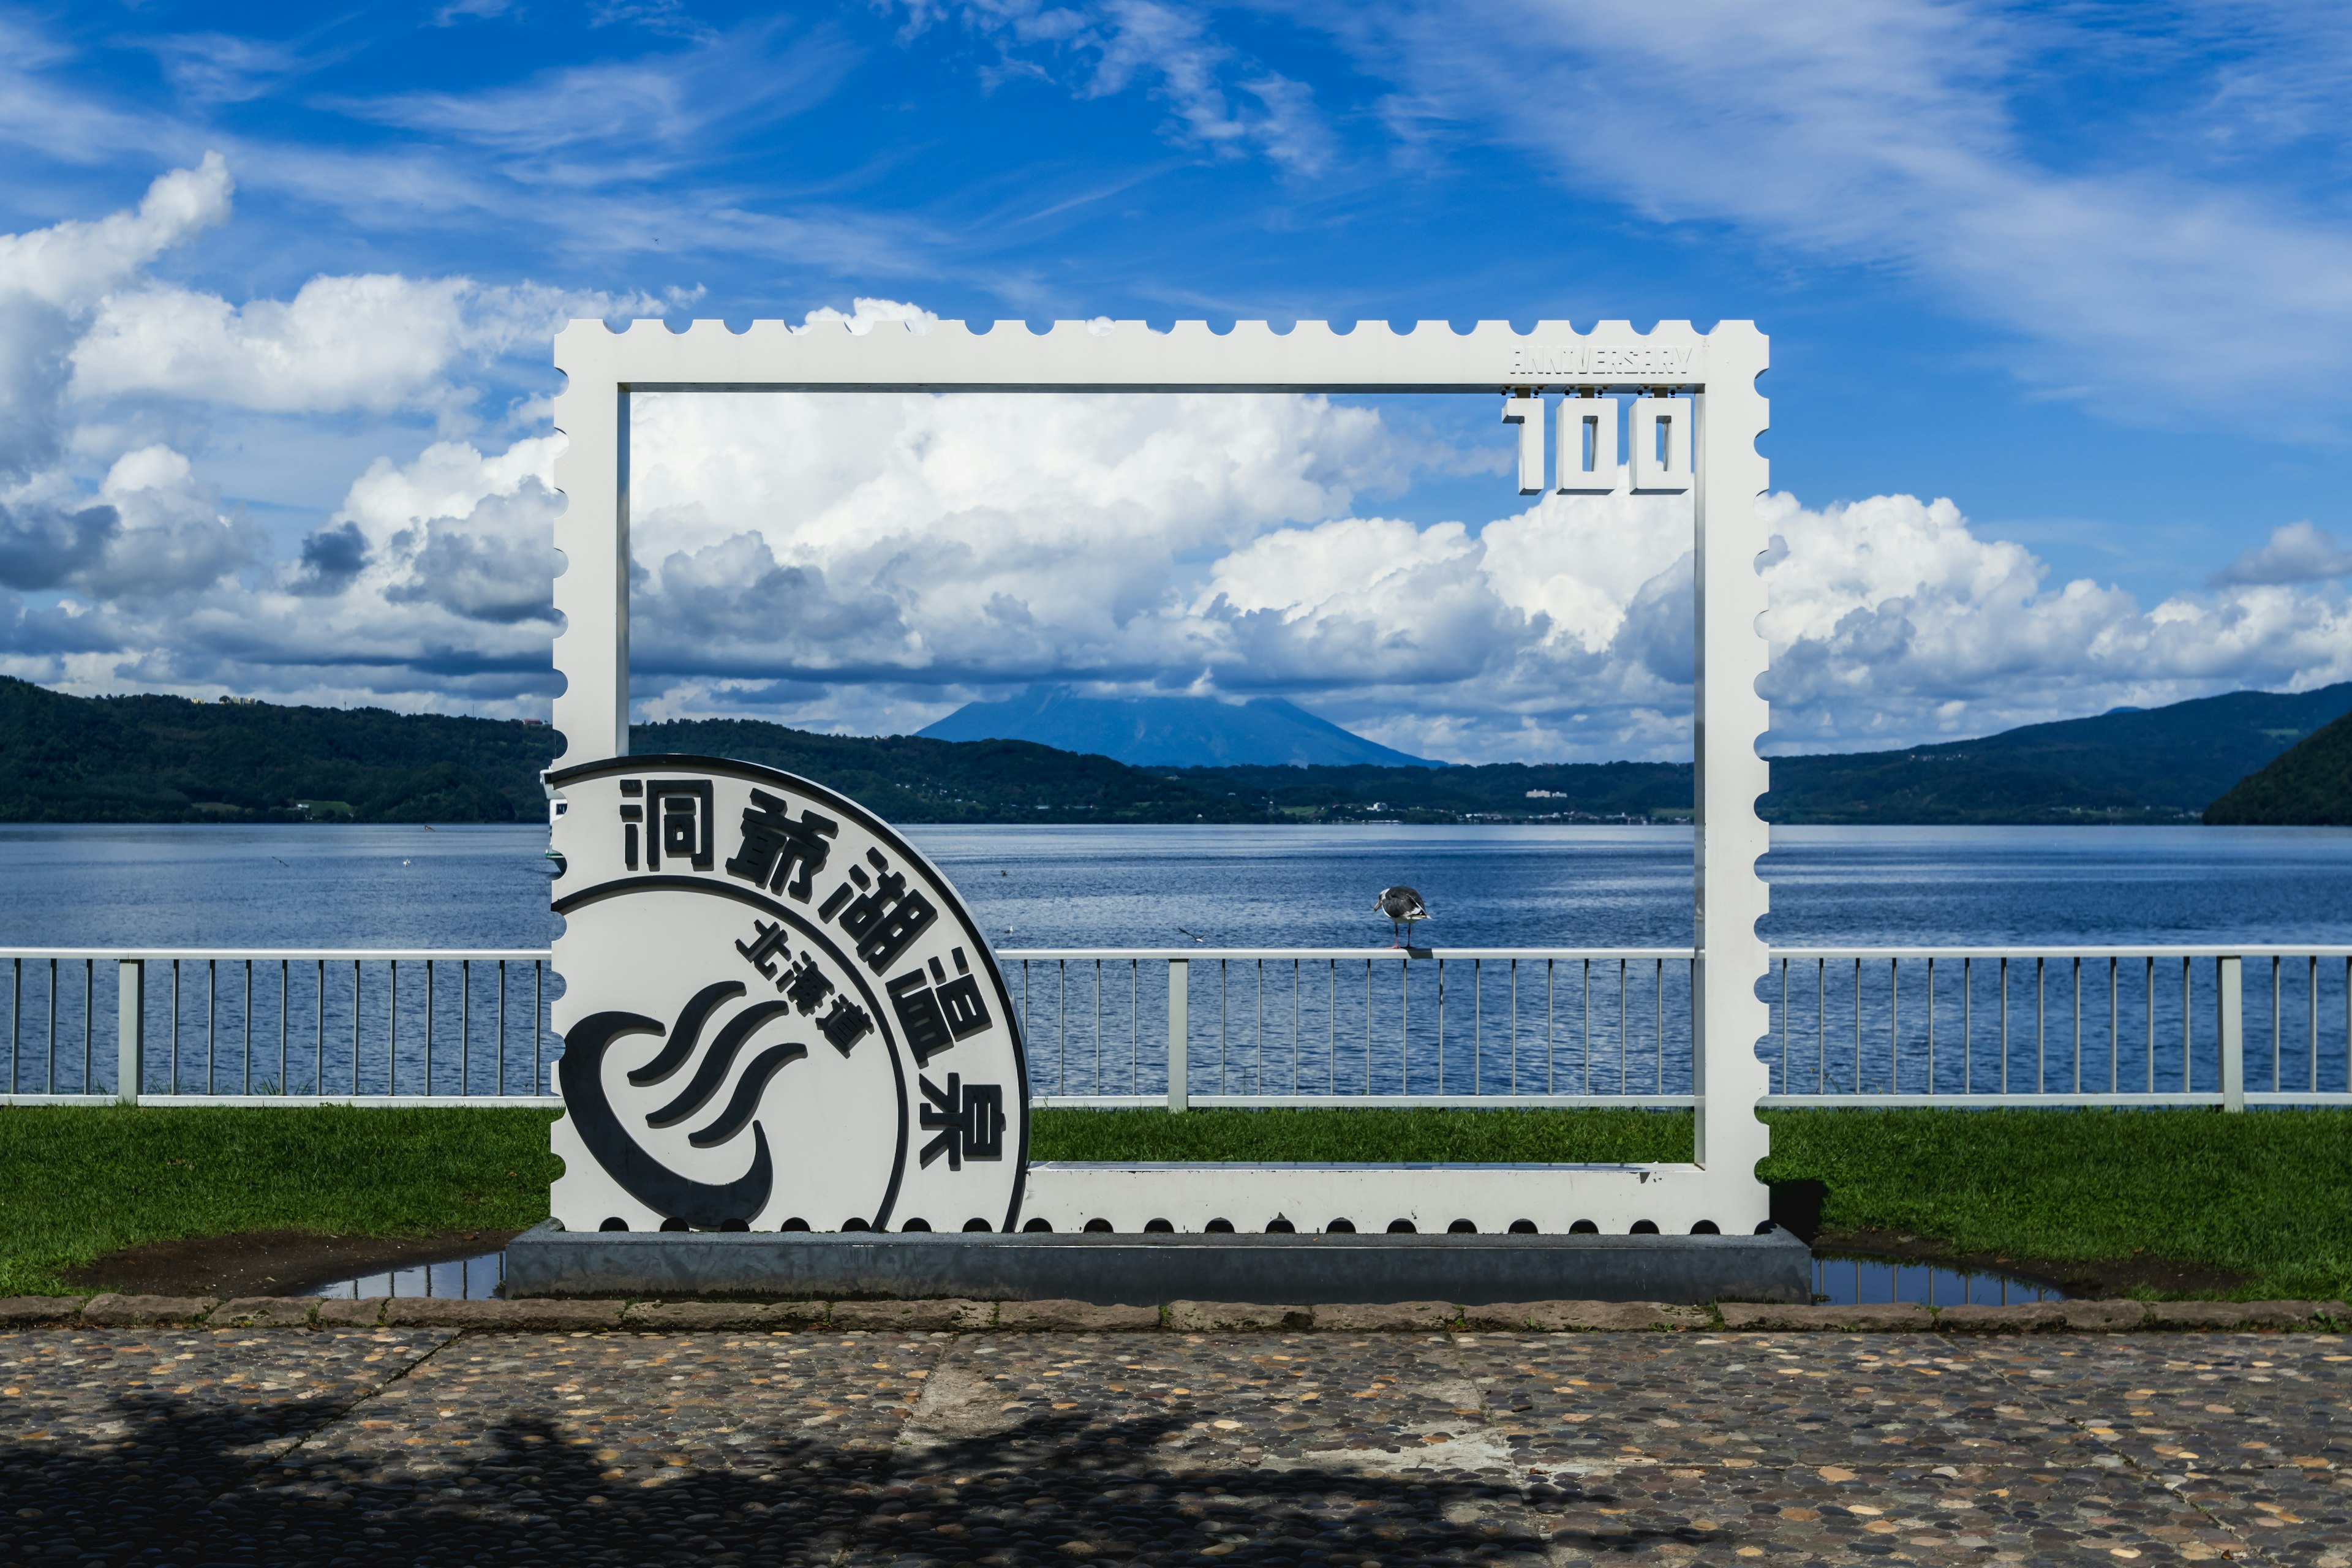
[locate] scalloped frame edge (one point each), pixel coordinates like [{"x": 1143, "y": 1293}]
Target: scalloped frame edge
[{"x": 1719, "y": 369}]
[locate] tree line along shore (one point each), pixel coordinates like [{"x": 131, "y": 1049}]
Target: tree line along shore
[{"x": 2243, "y": 758}]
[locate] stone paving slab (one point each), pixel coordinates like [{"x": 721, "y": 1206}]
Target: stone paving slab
[
  {"x": 2212, "y": 1401},
  {"x": 1186, "y": 1316},
  {"x": 2297, "y": 1515},
  {"x": 140, "y": 1426},
  {"x": 1735, "y": 1401},
  {"x": 1951, "y": 1515},
  {"x": 1291, "y": 1449}
]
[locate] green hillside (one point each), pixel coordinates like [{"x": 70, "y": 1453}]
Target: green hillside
[
  {"x": 905, "y": 778},
  {"x": 166, "y": 759},
  {"x": 2308, "y": 785},
  {"x": 2159, "y": 764},
  {"x": 2153, "y": 764}
]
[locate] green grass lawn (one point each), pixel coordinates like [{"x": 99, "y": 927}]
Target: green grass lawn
[
  {"x": 79, "y": 1181},
  {"x": 1476, "y": 1137},
  {"x": 2267, "y": 1196}
]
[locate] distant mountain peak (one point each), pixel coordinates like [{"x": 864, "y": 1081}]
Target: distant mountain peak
[{"x": 1169, "y": 732}]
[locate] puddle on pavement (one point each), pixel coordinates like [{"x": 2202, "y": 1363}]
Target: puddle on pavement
[
  {"x": 1845, "y": 1281},
  {"x": 1848, "y": 1281},
  {"x": 465, "y": 1279}
]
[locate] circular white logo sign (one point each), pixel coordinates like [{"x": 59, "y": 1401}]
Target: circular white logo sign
[{"x": 776, "y": 1014}]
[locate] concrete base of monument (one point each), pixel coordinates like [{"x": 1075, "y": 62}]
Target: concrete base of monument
[{"x": 1146, "y": 1269}]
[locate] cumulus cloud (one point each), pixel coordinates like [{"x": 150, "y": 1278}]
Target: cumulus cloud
[
  {"x": 871, "y": 559},
  {"x": 376, "y": 342},
  {"x": 331, "y": 557},
  {"x": 2298, "y": 553},
  {"x": 50, "y": 280},
  {"x": 427, "y": 589},
  {"x": 43, "y": 545},
  {"x": 175, "y": 536},
  {"x": 1893, "y": 621},
  {"x": 867, "y": 560},
  {"x": 428, "y": 586},
  {"x": 994, "y": 535}
]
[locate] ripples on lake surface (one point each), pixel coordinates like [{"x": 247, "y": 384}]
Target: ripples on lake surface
[
  {"x": 1585, "y": 886},
  {"x": 1501, "y": 1028}
]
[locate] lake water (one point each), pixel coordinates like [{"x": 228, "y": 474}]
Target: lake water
[
  {"x": 1567, "y": 1027},
  {"x": 298, "y": 886}
]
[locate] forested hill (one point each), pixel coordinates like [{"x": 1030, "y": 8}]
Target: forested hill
[
  {"x": 2157, "y": 764},
  {"x": 2310, "y": 786},
  {"x": 905, "y": 778},
  {"x": 2154, "y": 764},
  {"x": 166, "y": 759}
]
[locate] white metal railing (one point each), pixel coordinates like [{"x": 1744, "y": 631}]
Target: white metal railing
[
  {"x": 1276, "y": 1026},
  {"x": 2042, "y": 1026},
  {"x": 293, "y": 1026},
  {"x": 1337, "y": 1026}
]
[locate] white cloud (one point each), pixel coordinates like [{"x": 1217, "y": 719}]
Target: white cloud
[
  {"x": 863, "y": 313},
  {"x": 1884, "y": 134},
  {"x": 51, "y": 278},
  {"x": 2140, "y": 265},
  {"x": 1219, "y": 100},
  {"x": 429, "y": 587},
  {"x": 375, "y": 341},
  {"x": 833, "y": 559},
  {"x": 2298, "y": 553},
  {"x": 1892, "y": 622},
  {"x": 637, "y": 112},
  {"x": 866, "y": 560},
  {"x": 893, "y": 541},
  {"x": 222, "y": 68},
  {"x": 68, "y": 265}
]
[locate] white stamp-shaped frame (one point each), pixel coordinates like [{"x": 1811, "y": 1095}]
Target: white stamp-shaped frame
[{"x": 1717, "y": 370}]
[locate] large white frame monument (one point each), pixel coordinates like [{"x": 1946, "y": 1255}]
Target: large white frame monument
[{"x": 1713, "y": 375}]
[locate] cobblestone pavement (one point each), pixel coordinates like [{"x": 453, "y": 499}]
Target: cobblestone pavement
[{"x": 425, "y": 1446}]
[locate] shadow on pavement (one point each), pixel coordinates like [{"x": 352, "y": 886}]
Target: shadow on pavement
[{"x": 191, "y": 1485}]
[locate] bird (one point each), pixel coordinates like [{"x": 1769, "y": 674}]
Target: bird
[
  {"x": 1196, "y": 936},
  {"x": 1402, "y": 906}
]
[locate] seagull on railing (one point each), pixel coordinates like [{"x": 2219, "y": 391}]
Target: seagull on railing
[{"x": 1402, "y": 906}]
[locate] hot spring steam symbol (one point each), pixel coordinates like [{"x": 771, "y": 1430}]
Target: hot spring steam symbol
[{"x": 708, "y": 1203}]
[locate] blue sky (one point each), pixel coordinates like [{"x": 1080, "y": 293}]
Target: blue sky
[{"x": 2083, "y": 271}]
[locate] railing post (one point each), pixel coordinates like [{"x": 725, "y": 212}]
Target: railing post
[
  {"x": 129, "y": 1028},
  {"x": 2229, "y": 997},
  {"x": 1180, "y": 1029}
]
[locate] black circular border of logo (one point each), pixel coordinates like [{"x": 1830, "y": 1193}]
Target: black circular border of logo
[{"x": 755, "y": 772}]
